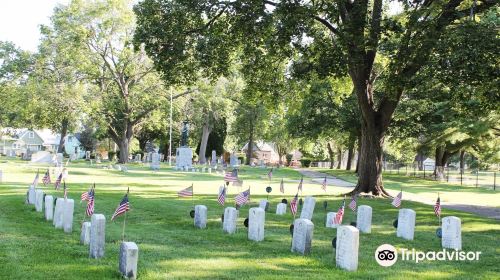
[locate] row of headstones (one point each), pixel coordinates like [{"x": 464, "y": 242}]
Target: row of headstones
[
  {"x": 194, "y": 169},
  {"x": 92, "y": 234},
  {"x": 118, "y": 167},
  {"x": 347, "y": 241}
]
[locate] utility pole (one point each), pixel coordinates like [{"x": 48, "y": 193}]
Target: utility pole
[{"x": 170, "y": 133}]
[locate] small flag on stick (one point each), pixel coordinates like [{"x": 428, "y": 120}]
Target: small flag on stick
[
  {"x": 46, "y": 178},
  {"x": 300, "y": 184},
  {"x": 323, "y": 186},
  {"x": 397, "y": 200},
  {"x": 187, "y": 192},
  {"x": 340, "y": 214},
  {"x": 35, "y": 181},
  {"x": 57, "y": 184},
  {"x": 270, "y": 174},
  {"x": 90, "y": 204},
  {"x": 353, "y": 204},
  {"x": 293, "y": 204},
  {"x": 221, "y": 198},
  {"x": 65, "y": 190},
  {"x": 242, "y": 198},
  {"x": 282, "y": 186},
  {"x": 123, "y": 207},
  {"x": 231, "y": 176},
  {"x": 437, "y": 207}
]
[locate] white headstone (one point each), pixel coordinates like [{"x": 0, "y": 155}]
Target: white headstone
[
  {"x": 155, "y": 161},
  {"x": 39, "y": 200},
  {"x": 85, "y": 234},
  {"x": 451, "y": 233},
  {"x": 184, "y": 157},
  {"x": 263, "y": 204},
  {"x": 308, "y": 208},
  {"x": 230, "y": 218},
  {"x": 129, "y": 254},
  {"x": 302, "y": 236},
  {"x": 31, "y": 195},
  {"x": 406, "y": 224},
  {"x": 281, "y": 209},
  {"x": 330, "y": 220},
  {"x": 58, "y": 213},
  {"x": 364, "y": 219},
  {"x": 97, "y": 236},
  {"x": 69, "y": 207},
  {"x": 347, "y": 248},
  {"x": 233, "y": 160},
  {"x": 214, "y": 157},
  {"x": 200, "y": 216},
  {"x": 49, "y": 207},
  {"x": 87, "y": 155},
  {"x": 256, "y": 220},
  {"x": 209, "y": 170}
]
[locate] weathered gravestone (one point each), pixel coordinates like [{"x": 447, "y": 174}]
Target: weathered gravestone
[
  {"x": 330, "y": 220},
  {"x": 87, "y": 155},
  {"x": 364, "y": 219},
  {"x": 256, "y": 220},
  {"x": 85, "y": 234},
  {"x": 406, "y": 224},
  {"x": 233, "y": 160},
  {"x": 49, "y": 207},
  {"x": 58, "y": 213},
  {"x": 69, "y": 207},
  {"x": 39, "y": 200},
  {"x": 200, "y": 216},
  {"x": 451, "y": 233},
  {"x": 302, "y": 236},
  {"x": 308, "y": 208},
  {"x": 129, "y": 254},
  {"x": 155, "y": 161},
  {"x": 347, "y": 247},
  {"x": 31, "y": 195},
  {"x": 281, "y": 209},
  {"x": 230, "y": 218},
  {"x": 97, "y": 236},
  {"x": 214, "y": 158},
  {"x": 264, "y": 204}
]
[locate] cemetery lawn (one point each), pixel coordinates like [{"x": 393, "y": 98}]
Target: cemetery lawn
[{"x": 171, "y": 248}]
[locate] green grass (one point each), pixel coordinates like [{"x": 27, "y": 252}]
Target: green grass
[
  {"x": 428, "y": 189},
  {"x": 171, "y": 248}
]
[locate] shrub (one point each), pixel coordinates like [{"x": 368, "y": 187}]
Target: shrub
[{"x": 305, "y": 162}]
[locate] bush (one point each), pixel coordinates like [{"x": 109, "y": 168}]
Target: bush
[
  {"x": 289, "y": 159},
  {"x": 111, "y": 155},
  {"x": 242, "y": 159},
  {"x": 305, "y": 162}
]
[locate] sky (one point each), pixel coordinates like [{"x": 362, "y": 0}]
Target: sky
[{"x": 20, "y": 20}]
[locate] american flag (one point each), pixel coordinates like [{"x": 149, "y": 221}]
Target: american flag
[
  {"x": 353, "y": 203},
  {"x": 242, "y": 197},
  {"x": 122, "y": 207},
  {"x": 293, "y": 204},
  {"x": 221, "y": 198},
  {"x": 65, "y": 190},
  {"x": 282, "y": 186},
  {"x": 57, "y": 184},
  {"x": 90, "y": 203},
  {"x": 46, "y": 178},
  {"x": 35, "y": 181},
  {"x": 186, "y": 192},
  {"x": 85, "y": 195},
  {"x": 340, "y": 214},
  {"x": 437, "y": 207},
  {"x": 323, "y": 186},
  {"x": 397, "y": 200},
  {"x": 270, "y": 174},
  {"x": 231, "y": 176},
  {"x": 300, "y": 184}
]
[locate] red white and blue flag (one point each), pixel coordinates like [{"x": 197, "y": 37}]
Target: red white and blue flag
[
  {"x": 90, "y": 204},
  {"x": 57, "y": 184},
  {"x": 231, "y": 176},
  {"x": 46, "y": 178},
  {"x": 437, "y": 207},
  {"x": 123, "y": 207},
  {"x": 242, "y": 198},
  {"x": 85, "y": 195},
  {"x": 221, "y": 198},
  {"x": 187, "y": 192},
  {"x": 293, "y": 204},
  {"x": 340, "y": 214},
  {"x": 353, "y": 205},
  {"x": 397, "y": 200}
]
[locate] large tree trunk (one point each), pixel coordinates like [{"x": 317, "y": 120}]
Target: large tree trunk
[
  {"x": 203, "y": 146},
  {"x": 64, "y": 133},
  {"x": 462, "y": 161},
  {"x": 439, "y": 166},
  {"x": 350, "y": 154},
  {"x": 359, "y": 153},
  {"x": 331, "y": 153},
  {"x": 339, "y": 158},
  {"x": 250, "y": 144},
  {"x": 124, "y": 150}
]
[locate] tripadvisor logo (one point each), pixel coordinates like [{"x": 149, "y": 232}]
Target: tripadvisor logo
[{"x": 387, "y": 255}]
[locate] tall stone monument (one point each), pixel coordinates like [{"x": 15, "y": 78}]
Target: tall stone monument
[{"x": 184, "y": 154}]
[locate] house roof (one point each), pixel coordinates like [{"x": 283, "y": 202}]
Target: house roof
[
  {"x": 47, "y": 135},
  {"x": 261, "y": 146}
]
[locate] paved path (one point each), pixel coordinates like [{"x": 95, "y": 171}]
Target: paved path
[{"x": 485, "y": 211}]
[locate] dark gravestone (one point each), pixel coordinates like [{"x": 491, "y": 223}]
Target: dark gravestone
[
  {"x": 245, "y": 223},
  {"x": 291, "y": 229},
  {"x": 191, "y": 213},
  {"x": 284, "y": 201},
  {"x": 334, "y": 242},
  {"x": 395, "y": 223}
]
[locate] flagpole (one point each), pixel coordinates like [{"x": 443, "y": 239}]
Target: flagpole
[
  {"x": 439, "y": 216},
  {"x": 123, "y": 229},
  {"x": 192, "y": 195}
]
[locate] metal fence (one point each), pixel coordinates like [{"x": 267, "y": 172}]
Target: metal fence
[{"x": 469, "y": 177}]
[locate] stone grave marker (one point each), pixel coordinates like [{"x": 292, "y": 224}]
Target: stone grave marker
[
  {"x": 129, "y": 255},
  {"x": 364, "y": 219},
  {"x": 308, "y": 208},
  {"x": 256, "y": 220},
  {"x": 58, "y": 213},
  {"x": 31, "y": 195},
  {"x": 200, "y": 216},
  {"x": 264, "y": 204},
  {"x": 39, "y": 200},
  {"x": 85, "y": 234},
  {"x": 347, "y": 248},
  {"x": 406, "y": 224},
  {"x": 49, "y": 207},
  {"x": 451, "y": 233},
  {"x": 281, "y": 209},
  {"x": 69, "y": 207},
  {"x": 330, "y": 223},
  {"x": 230, "y": 218},
  {"x": 97, "y": 236},
  {"x": 302, "y": 236}
]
